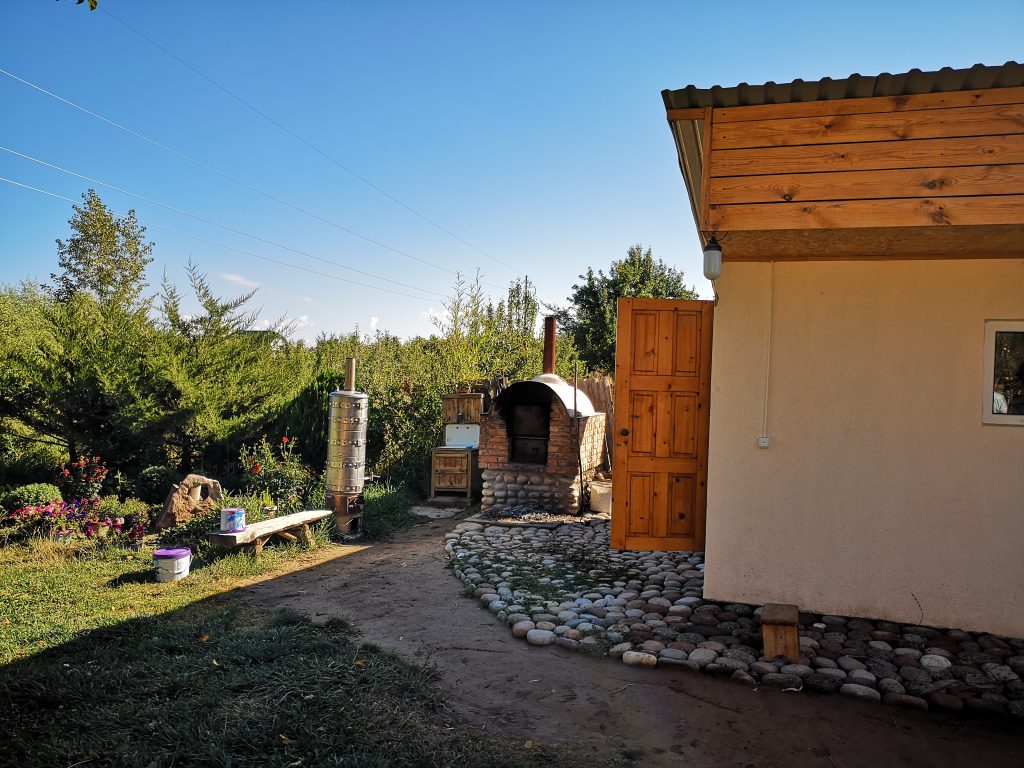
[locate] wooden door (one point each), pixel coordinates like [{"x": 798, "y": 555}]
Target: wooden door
[{"x": 662, "y": 392}]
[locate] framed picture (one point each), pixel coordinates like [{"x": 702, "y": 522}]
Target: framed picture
[{"x": 1002, "y": 396}]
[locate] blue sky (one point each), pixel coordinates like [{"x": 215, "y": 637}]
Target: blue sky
[{"x": 533, "y": 131}]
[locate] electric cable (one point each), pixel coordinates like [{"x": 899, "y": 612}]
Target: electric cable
[
  {"x": 150, "y": 225},
  {"x": 305, "y": 142},
  {"x": 210, "y": 221},
  {"x": 220, "y": 173}
]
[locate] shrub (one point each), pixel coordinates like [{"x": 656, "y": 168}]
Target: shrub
[
  {"x": 278, "y": 471},
  {"x": 82, "y": 478},
  {"x": 153, "y": 484},
  {"x": 386, "y": 511},
  {"x": 26, "y": 495}
]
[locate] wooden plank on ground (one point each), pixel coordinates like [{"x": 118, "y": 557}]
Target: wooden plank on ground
[
  {"x": 843, "y": 214},
  {"x": 861, "y": 185},
  {"x": 870, "y": 104},
  {"x": 266, "y": 528},
  {"x": 919, "y": 153},
  {"x": 877, "y": 126}
]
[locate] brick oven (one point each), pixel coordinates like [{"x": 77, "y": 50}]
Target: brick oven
[{"x": 528, "y": 441}]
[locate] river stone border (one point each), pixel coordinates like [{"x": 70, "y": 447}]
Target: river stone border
[{"x": 565, "y": 587}]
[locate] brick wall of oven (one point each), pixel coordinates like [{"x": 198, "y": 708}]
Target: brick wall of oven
[{"x": 554, "y": 485}]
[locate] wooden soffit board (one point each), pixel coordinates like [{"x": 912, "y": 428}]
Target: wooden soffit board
[
  {"x": 1004, "y": 241},
  {"x": 912, "y": 176}
]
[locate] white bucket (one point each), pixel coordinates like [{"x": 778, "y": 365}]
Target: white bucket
[
  {"x": 232, "y": 520},
  {"x": 172, "y": 564},
  {"x": 601, "y": 496}
]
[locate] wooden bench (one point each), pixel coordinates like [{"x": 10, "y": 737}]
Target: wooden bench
[{"x": 257, "y": 534}]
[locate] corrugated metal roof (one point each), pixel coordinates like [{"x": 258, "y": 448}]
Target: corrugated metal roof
[{"x": 1008, "y": 75}]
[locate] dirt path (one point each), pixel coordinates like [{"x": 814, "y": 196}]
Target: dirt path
[{"x": 402, "y": 596}]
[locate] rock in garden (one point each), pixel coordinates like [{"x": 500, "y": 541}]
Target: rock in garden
[
  {"x": 193, "y": 497},
  {"x": 860, "y": 692},
  {"x": 540, "y": 637}
]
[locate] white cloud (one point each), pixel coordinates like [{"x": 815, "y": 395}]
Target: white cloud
[
  {"x": 303, "y": 321},
  {"x": 373, "y": 323},
  {"x": 242, "y": 280},
  {"x": 307, "y": 299},
  {"x": 430, "y": 313}
]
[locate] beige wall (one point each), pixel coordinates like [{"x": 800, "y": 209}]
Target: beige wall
[{"x": 882, "y": 494}]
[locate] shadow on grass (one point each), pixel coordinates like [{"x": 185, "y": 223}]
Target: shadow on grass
[
  {"x": 135, "y": 577},
  {"x": 220, "y": 683}
]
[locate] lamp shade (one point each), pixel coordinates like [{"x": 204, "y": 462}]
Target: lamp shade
[{"x": 712, "y": 260}]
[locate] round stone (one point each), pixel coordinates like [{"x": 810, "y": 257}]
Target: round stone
[
  {"x": 703, "y": 656},
  {"x": 860, "y": 692},
  {"x": 935, "y": 663},
  {"x": 777, "y": 680},
  {"x": 540, "y": 637},
  {"x": 800, "y": 670},
  {"x": 520, "y": 628},
  {"x": 907, "y": 702},
  {"x": 640, "y": 659},
  {"x": 823, "y": 683}
]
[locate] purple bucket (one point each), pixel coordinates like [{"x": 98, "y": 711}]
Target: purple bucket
[
  {"x": 172, "y": 554},
  {"x": 172, "y": 564}
]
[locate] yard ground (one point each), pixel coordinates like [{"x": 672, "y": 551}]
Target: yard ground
[
  {"x": 104, "y": 667},
  {"x": 403, "y": 597}
]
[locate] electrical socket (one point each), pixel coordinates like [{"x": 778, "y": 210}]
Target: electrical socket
[{"x": 762, "y": 441}]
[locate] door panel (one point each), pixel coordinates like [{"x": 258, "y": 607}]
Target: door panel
[{"x": 662, "y": 390}]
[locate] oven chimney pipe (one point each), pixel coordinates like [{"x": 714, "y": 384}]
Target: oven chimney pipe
[
  {"x": 549, "y": 344},
  {"x": 350, "y": 374}
]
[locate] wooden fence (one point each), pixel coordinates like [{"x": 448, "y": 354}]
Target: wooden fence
[{"x": 601, "y": 391}]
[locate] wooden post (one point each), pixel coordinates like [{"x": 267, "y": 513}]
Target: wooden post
[{"x": 779, "y": 629}]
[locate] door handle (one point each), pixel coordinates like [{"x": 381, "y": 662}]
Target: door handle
[{"x": 624, "y": 432}]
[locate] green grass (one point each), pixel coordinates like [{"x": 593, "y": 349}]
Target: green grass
[
  {"x": 386, "y": 512},
  {"x": 52, "y": 592},
  {"x": 103, "y": 667}
]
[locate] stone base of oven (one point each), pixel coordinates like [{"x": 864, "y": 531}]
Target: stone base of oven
[{"x": 556, "y": 492}]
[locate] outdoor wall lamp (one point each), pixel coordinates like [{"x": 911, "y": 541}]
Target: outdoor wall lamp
[{"x": 712, "y": 260}]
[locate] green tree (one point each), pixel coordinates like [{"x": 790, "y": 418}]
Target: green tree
[
  {"x": 224, "y": 380},
  {"x": 79, "y": 374},
  {"x": 106, "y": 256},
  {"x": 591, "y": 315}
]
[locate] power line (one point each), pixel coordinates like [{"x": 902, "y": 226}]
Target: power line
[
  {"x": 210, "y": 221},
  {"x": 221, "y": 245},
  {"x": 307, "y": 143},
  {"x": 220, "y": 173}
]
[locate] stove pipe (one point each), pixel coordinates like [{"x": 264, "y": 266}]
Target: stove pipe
[{"x": 549, "y": 344}]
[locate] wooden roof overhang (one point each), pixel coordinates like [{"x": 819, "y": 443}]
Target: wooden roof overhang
[{"x": 918, "y": 165}]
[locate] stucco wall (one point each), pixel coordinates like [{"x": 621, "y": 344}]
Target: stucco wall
[{"x": 881, "y": 494}]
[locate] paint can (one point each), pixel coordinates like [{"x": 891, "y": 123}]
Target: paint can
[
  {"x": 172, "y": 564},
  {"x": 232, "y": 520}
]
